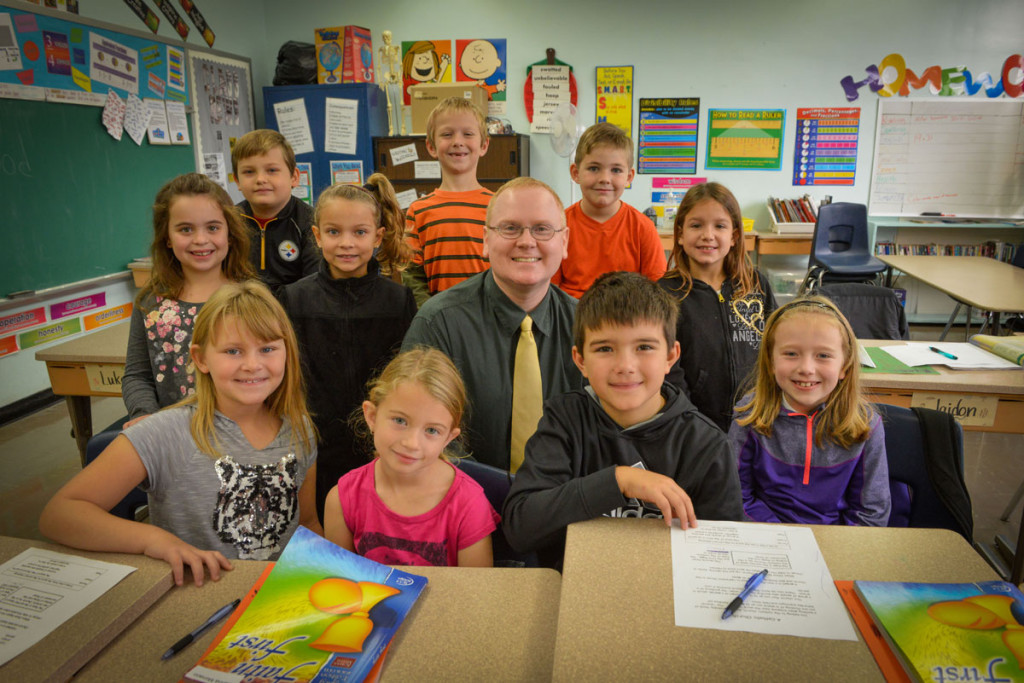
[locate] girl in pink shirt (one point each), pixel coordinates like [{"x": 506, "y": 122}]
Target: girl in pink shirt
[{"x": 410, "y": 505}]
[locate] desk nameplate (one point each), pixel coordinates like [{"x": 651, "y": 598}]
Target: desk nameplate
[
  {"x": 967, "y": 409},
  {"x": 104, "y": 378}
]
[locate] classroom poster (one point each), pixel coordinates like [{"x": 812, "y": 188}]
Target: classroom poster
[
  {"x": 615, "y": 96},
  {"x": 825, "y": 152},
  {"x": 551, "y": 89},
  {"x": 346, "y": 172},
  {"x": 78, "y": 64},
  {"x": 425, "y": 61},
  {"x": 666, "y": 194},
  {"x": 108, "y": 316},
  {"x": 8, "y": 345},
  {"x": 745, "y": 139},
  {"x": 484, "y": 62},
  {"x": 667, "y": 139},
  {"x": 304, "y": 190}
]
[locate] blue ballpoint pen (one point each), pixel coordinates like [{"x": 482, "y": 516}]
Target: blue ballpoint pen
[
  {"x": 187, "y": 640},
  {"x": 752, "y": 583},
  {"x": 939, "y": 351}
]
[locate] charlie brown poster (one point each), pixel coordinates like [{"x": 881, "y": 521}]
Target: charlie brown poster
[
  {"x": 484, "y": 61},
  {"x": 425, "y": 61}
]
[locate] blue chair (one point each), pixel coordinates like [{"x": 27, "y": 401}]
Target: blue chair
[
  {"x": 137, "y": 498},
  {"x": 839, "y": 249},
  {"x": 924, "y": 450},
  {"x": 496, "y": 483}
]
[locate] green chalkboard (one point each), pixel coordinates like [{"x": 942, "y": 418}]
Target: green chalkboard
[{"x": 76, "y": 204}]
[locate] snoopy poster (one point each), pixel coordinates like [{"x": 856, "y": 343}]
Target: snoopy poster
[
  {"x": 425, "y": 61},
  {"x": 484, "y": 62}
]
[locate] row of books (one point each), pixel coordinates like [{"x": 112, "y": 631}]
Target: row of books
[
  {"x": 800, "y": 210},
  {"x": 1002, "y": 251}
]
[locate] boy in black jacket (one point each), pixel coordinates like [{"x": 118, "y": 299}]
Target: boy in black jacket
[
  {"x": 283, "y": 249},
  {"x": 629, "y": 444}
]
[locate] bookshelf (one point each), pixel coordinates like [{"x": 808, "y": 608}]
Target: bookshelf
[{"x": 948, "y": 236}]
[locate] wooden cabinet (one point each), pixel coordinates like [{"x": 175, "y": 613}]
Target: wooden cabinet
[{"x": 508, "y": 156}]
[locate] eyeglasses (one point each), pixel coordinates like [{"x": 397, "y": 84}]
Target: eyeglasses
[{"x": 541, "y": 233}]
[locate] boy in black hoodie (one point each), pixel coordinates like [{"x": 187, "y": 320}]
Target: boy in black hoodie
[{"x": 629, "y": 444}]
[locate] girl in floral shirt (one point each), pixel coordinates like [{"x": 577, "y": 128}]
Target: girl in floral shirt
[{"x": 199, "y": 243}]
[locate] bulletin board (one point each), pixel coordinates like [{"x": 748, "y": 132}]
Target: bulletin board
[
  {"x": 223, "y": 111},
  {"x": 77, "y": 60},
  {"x": 956, "y": 156},
  {"x": 77, "y": 202}
]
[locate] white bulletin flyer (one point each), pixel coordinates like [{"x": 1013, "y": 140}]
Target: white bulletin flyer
[
  {"x": 712, "y": 563},
  {"x": 41, "y": 589}
]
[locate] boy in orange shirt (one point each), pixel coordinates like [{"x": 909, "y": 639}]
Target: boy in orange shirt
[
  {"x": 446, "y": 227},
  {"x": 607, "y": 233}
]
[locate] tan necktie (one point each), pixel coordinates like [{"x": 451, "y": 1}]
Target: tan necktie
[{"x": 527, "y": 392}]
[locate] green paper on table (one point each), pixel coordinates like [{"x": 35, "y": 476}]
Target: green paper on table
[{"x": 884, "y": 363}]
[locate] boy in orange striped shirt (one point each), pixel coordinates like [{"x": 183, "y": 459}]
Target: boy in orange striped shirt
[{"x": 446, "y": 227}]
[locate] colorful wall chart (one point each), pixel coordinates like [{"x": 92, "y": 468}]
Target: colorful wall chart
[
  {"x": 745, "y": 138},
  {"x": 70, "y": 60},
  {"x": 825, "y": 152},
  {"x": 667, "y": 140},
  {"x": 615, "y": 96}
]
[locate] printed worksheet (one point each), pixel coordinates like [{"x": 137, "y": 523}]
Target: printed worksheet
[
  {"x": 41, "y": 589},
  {"x": 712, "y": 563}
]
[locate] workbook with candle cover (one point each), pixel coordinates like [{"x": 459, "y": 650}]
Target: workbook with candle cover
[
  {"x": 323, "y": 615},
  {"x": 950, "y": 631}
]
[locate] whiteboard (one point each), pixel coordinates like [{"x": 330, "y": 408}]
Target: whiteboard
[{"x": 952, "y": 156}]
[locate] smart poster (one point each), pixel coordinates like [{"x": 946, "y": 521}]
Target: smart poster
[
  {"x": 745, "y": 138},
  {"x": 425, "y": 61},
  {"x": 484, "y": 62},
  {"x": 43, "y": 57},
  {"x": 825, "y": 152},
  {"x": 615, "y": 96},
  {"x": 667, "y": 139}
]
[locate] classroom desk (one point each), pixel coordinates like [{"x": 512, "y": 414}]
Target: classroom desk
[
  {"x": 57, "y": 656},
  {"x": 617, "y": 621},
  {"x": 70, "y": 365},
  {"x": 788, "y": 244},
  {"x": 1006, "y": 386},
  {"x": 971, "y": 281},
  {"x": 468, "y": 625}
]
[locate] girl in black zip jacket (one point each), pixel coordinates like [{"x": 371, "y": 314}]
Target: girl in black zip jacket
[{"x": 723, "y": 301}]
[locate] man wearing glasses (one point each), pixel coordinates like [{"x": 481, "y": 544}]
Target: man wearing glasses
[{"x": 489, "y": 322}]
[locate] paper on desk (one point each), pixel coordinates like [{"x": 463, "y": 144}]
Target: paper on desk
[
  {"x": 710, "y": 565},
  {"x": 862, "y": 355},
  {"x": 968, "y": 356},
  {"x": 41, "y": 589}
]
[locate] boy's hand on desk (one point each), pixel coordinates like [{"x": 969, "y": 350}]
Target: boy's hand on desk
[
  {"x": 177, "y": 553},
  {"x": 658, "y": 490}
]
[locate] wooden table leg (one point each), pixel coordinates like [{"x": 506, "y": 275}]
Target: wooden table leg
[{"x": 80, "y": 409}]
